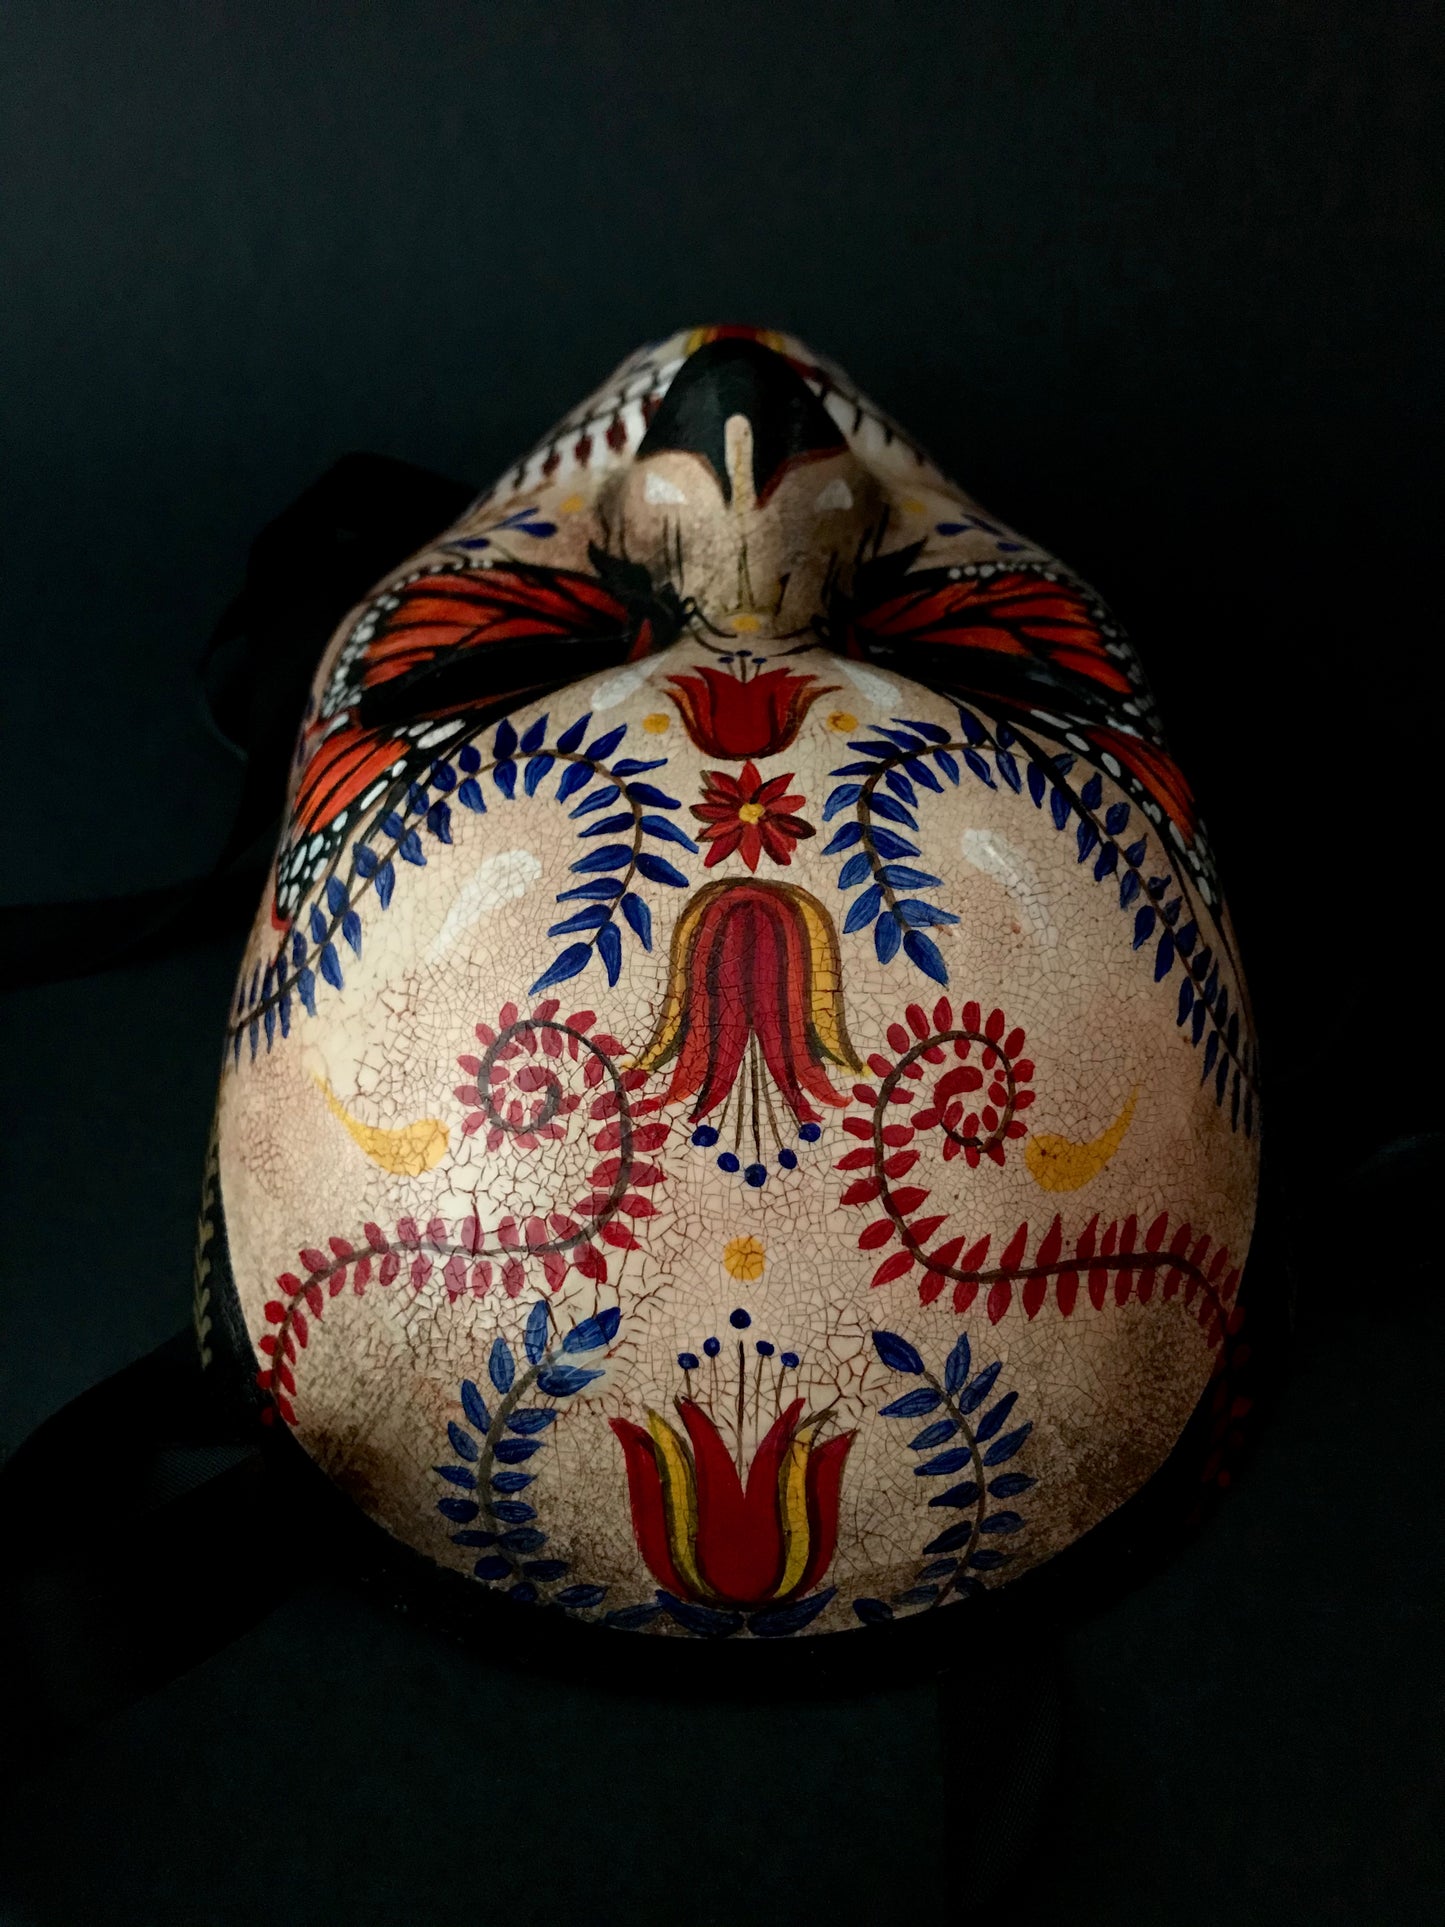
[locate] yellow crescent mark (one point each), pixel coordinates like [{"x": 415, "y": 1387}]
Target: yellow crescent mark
[
  {"x": 1058, "y": 1164},
  {"x": 667, "y": 1036},
  {"x": 827, "y": 985},
  {"x": 700, "y": 337},
  {"x": 406, "y": 1153}
]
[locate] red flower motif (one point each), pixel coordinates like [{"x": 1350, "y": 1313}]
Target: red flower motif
[
  {"x": 747, "y": 815},
  {"x": 727, "y": 717},
  {"x": 708, "y": 1537}
]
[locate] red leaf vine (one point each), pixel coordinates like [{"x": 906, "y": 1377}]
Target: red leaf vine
[
  {"x": 1176, "y": 1261},
  {"x": 518, "y": 1094}
]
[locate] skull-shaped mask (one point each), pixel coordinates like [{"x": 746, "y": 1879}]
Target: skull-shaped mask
[{"x": 739, "y": 1114}]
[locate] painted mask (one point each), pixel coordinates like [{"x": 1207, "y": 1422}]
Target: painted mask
[{"x": 739, "y": 1112}]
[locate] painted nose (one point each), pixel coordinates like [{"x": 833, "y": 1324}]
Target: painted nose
[{"x": 734, "y": 377}]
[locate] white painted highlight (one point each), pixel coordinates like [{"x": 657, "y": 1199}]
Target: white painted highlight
[
  {"x": 837, "y": 495},
  {"x": 616, "y": 689},
  {"x": 986, "y": 850},
  {"x": 657, "y": 488},
  {"x": 497, "y": 880},
  {"x": 869, "y": 683}
]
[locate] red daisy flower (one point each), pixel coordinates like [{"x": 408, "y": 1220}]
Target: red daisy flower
[{"x": 747, "y": 815}]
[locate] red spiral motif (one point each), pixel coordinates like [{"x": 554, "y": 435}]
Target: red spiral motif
[
  {"x": 518, "y": 1094},
  {"x": 974, "y": 1101}
]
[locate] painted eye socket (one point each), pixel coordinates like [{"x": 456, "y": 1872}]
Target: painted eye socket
[
  {"x": 657, "y": 488},
  {"x": 837, "y": 495}
]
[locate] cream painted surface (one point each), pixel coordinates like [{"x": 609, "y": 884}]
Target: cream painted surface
[{"x": 1107, "y": 1391}]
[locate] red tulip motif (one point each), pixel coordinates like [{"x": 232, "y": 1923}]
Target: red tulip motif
[
  {"x": 753, "y": 966},
  {"x": 710, "y": 1537},
  {"x": 728, "y": 717}
]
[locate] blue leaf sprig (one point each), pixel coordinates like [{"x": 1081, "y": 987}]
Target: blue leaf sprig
[
  {"x": 713, "y": 1622},
  {"x": 526, "y": 520},
  {"x": 882, "y": 791},
  {"x": 505, "y": 1429},
  {"x": 1151, "y": 882},
  {"x": 413, "y": 814},
  {"x": 627, "y": 813},
  {"x": 965, "y": 1451}
]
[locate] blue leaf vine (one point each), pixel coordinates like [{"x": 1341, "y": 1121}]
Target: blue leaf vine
[
  {"x": 413, "y": 813},
  {"x": 963, "y": 1454},
  {"x": 527, "y": 520},
  {"x": 913, "y": 756},
  {"x": 500, "y": 1436},
  {"x": 876, "y": 853}
]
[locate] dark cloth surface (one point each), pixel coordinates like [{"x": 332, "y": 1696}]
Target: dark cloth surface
[{"x": 1161, "y": 285}]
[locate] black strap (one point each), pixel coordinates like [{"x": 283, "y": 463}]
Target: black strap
[{"x": 306, "y": 568}]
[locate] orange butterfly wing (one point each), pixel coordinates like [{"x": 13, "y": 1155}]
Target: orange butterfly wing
[
  {"x": 405, "y": 673},
  {"x": 1011, "y": 613},
  {"x": 1032, "y": 619},
  {"x": 450, "y": 611}
]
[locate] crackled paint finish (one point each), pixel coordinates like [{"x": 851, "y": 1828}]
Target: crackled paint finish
[{"x": 739, "y": 1114}]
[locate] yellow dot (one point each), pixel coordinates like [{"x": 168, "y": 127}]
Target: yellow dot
[
  {"x": 751, "y": 813},
  {"x": 745, "y": 625},
  {"x": 743, "y": 1259},
  {"x": 842, "y": 720},
  {"x": 912, "y": 506},
  {"x": 571, "y": 505},
  {"x": 656, "y": 723}
]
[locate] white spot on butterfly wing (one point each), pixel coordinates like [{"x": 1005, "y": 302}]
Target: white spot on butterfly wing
[
  {"x": 439, "y": 733},
  {"x": 837, "y": 495}
]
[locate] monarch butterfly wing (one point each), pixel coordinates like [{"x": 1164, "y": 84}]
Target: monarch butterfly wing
[
  {"x": 424, "y": 659},
  {"x": 1018, "y": 628},
  {"x": 457, "y": 639},
  {"x": 1154, "y": 771},
  {"x": 1041, "y": 653}
]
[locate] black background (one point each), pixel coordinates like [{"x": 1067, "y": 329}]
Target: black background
[{"x": 1161, "y": 285}]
